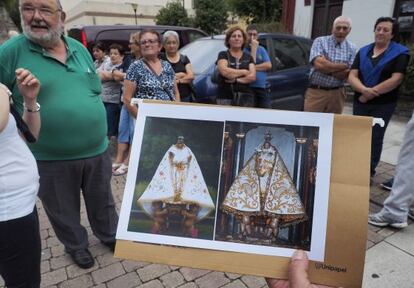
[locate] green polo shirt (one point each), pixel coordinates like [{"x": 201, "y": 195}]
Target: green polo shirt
[{"x": 72, "y": 114}]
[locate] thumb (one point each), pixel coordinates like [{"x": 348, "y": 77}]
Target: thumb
[{"x": 298, "y": 270}]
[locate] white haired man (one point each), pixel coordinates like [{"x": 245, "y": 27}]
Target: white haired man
[
  {"x": 331, "y": 57},
  {"x": 71, "y": 152}
]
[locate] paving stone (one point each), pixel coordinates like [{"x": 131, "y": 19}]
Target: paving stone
[
  {"x": 189, "y": 285},
  {"x": 106, "y": 259},
  {"x": 130, "y": 265},
  {"x": 54, "y": 277},
  {"x": 57, "y": 251},
  {"x": 212, "y": 280},
  {"x": 75, "y": 271},
  {"x": 52, "y": 241},
  {"x": 235, "y": 284},
  {"x": 403, "y": 239},
  {"x": 126, "y": 281},
  {"x": 374, "y": 237},
  {"x": 82, "y": 281},
  {"x": 386, "y": 232},
  {"x": 152, "y": 284},
  {"x": 172, "y": 280},
  {"x": 108, "y": 273},
  {"x": 45, "y": 254},
  {"x": 60, "y": 261},
  {"x": 152, "y": 271},
  {"x": 369, "y": 244},
  {"x": 253, "y": 281},
  {"x": 190, "y": 273},
  {"x": 232, "y": 276},
  {"x": 98, "y": 250},
  {"x": 102, "y": 285},
  {"x": 387, "y": 266},
  {"x": 44, "y": 234},
  {"x": 44, "y": 266}
]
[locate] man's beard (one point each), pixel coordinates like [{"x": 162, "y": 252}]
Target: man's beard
[{"x": 50, "y": 39}]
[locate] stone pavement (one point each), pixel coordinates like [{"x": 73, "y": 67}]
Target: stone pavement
[{"x": 389, "y": 257}]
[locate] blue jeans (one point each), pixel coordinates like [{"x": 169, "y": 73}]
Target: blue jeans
[
  {"x": 261, "y": 97},
  {"x": 20, "y": 251},
  {"x": 383, "y": 111},
  {"x": 126, "y": 126},
  {"x": 112, "y": 118}
]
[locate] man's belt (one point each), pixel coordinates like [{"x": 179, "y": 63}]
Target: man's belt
[{"x": 323, "y": 87}]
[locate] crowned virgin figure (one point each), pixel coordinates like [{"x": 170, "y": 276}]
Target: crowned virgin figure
[
  {"x": 264, "y": 188},
  {"x": 177, "y": 182}
]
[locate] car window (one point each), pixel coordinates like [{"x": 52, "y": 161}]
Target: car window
[
  {"x": 194, "y": 35},
  {"x": 203, "y": 53},
  {"x": 288, "y": 54},
  {"x": 263, "y": 42}
]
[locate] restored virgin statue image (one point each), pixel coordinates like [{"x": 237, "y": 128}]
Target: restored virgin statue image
[{"x": 177, "y": 196}]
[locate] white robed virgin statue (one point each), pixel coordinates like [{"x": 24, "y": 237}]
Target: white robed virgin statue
[
  {"x": 178, "y": 180},
  {"x": 264, "y": 187}
]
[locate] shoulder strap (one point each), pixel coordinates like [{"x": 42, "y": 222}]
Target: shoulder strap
[{"x": 22, "y": 126}]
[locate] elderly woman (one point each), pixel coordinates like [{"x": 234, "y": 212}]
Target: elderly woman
[
  {"x": 20, "y": 244},
  {"x": 376, "y": 75},
  {"x": 98, "y": 52},
  {"x": 111, "y": 89},
  {"x": 149, "y": 77},
  {"x": 237, "y": 70},
  {"x": 180, "y": 64}
]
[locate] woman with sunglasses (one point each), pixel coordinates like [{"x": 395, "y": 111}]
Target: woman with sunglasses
[{"x": 376, "y": 75}]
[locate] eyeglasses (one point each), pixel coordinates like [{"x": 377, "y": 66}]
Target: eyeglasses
[
  {"x": 149, "y": 41},
  {"x": 44, "y": 12}
]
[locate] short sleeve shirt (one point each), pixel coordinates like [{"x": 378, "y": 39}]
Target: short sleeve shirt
[
  {"x": 149, "y": 85},
  {"x": 184, "y": 88},
  {"x": 327, "y": 46},
  {"x": 261, "y": 57},
  {"x": 242, "y": 63},
  {"x": 397, "y": 65}
]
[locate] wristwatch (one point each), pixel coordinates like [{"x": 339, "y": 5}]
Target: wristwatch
[{"x": 37, "y": 109}]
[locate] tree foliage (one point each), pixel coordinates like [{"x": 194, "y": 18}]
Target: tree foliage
[
  {"x": 12, "y": 7},
  {"x": 257, "y": 10},
  {"x": 173, "y": 14},
  {"x": 211, "y": 15}
]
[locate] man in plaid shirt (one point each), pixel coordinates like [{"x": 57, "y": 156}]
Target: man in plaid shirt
[{"x": 331, "y": 57}]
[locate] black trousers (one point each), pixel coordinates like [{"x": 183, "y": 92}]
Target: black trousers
[
  {"x": 20, "y": 248},
  {"x": 383, "y": 111},
  {"x": 62, "y": 182}
]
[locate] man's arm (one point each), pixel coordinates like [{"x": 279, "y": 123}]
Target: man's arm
[{"x": 323, "y": 65}]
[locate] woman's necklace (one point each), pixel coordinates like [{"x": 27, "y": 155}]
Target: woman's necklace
[
  {"x": 378, "y": 51},
  {"x": 173, "y": 58}
]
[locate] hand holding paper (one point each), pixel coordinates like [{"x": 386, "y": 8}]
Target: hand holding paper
[{"x": 298, "y": 274}]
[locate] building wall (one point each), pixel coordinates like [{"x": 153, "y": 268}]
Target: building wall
[
  {"x": 303, "y": 19},
  {"x": 81, "y": 12},
  {"x": 363, "y": 15},
  {"x": 362, "y": 12}
]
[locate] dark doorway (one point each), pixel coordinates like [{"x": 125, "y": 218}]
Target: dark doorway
[
  {"x": 323, "y": 16},
  {"x": 404, "y": 13}
]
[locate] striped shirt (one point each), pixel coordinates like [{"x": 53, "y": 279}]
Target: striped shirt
[{"x": 337, "y": 52}]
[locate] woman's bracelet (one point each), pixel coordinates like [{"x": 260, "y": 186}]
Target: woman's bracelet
[{"x": 35, "y": 110}]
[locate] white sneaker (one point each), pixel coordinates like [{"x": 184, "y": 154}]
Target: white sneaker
[{"x": 379, "y": 220}]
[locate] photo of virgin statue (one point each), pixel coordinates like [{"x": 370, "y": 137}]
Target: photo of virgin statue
[
  {"x": 264, "y": 205},
  {"x": 177, "y": 188},
  {"x": 177, "y": 178}
]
